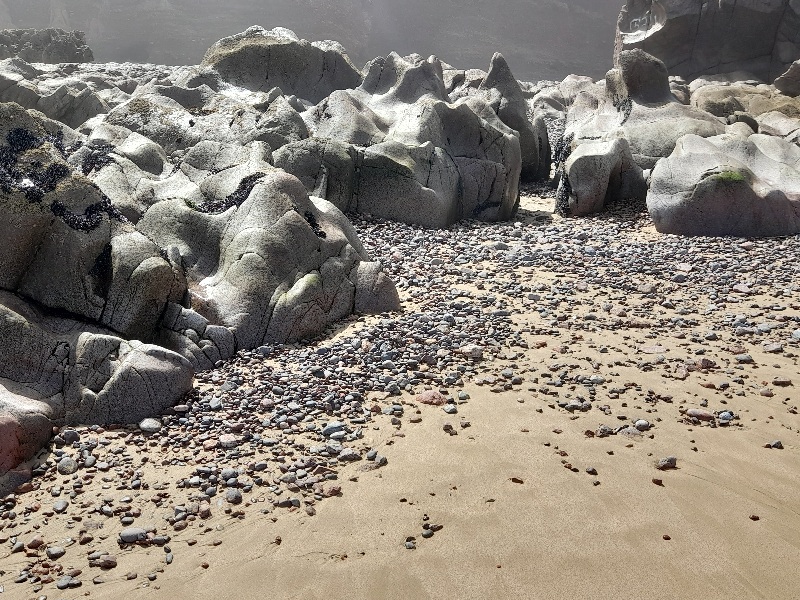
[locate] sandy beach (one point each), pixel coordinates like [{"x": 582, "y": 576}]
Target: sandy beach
[{"x": 525, "y": 498}]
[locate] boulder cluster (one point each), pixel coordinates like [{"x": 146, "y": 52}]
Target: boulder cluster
[
  {"x": 713, "y": 149},
  {"x": 159, "y": 220}
]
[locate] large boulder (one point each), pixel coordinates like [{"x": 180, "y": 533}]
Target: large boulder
[
  {"x": 397, "y": 147},
  {"x": 695, "y": 38},
  {"x": 598, "y": 174},
  {"x": 728, "y": 186},
  {"x": 501, "y": 90},
  {"x": 260, "y": 59},
  {"x": 45, "y": 45},
  {"x": 636, "y": 104}
]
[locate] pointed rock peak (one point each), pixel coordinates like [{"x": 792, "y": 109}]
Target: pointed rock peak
[{"x": 501, "y": 78}]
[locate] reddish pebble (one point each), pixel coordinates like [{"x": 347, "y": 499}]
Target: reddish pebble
[{"x": 755, "y": 518}]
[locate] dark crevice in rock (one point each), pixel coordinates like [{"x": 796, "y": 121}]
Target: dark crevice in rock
[
  {"x": 314, "y": 224},
  {"x": 101, "y": 272}
]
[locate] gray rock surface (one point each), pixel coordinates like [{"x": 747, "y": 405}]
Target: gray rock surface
[
  {"x": 599, "y": 173},
  {"x": 728, "y": 186},
  {"x": 636, "y": 104},
  {"x": 789, "y": 82},
  {"x": 45, "y": 45},
  {"x": 398, "y": 148},
  {"x": 695, "y": 38},
  {"x": 500, "y": 89},
  {"x": 70, "y": 104}
]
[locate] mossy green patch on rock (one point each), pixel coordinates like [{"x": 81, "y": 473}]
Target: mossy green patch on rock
[{"x": 731, "y": 176}]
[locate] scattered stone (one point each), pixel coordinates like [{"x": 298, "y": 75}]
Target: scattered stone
[{"x": 670, "y": 462}]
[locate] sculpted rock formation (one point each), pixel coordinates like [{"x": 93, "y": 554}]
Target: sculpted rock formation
[
  {"x": 183, "y": 244},
  {"x": 398, "y": 147},
  {"x": 728, "y": 185},
  {"x": 695, "y": 38},
  {"x": 503, "y": 93},
  {"x": 634, "y": 104},
  {"x": 45, "y": 45}
]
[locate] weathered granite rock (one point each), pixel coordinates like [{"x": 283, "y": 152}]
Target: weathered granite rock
[
  {"x": 728, "y": 186},
  {"x": 416, "y": 157},
  {"x": 554, "y": 101},
  {"x": 69, "y": 104},
  {"x": 597, "y": 174},
  {"x": 636, "y": 104},
  {"x": 58, "y": 371},
  {"x": 695, "y": 38},
  {"x": 45, "y": 45},
  {"x": 260, "y": 59},
  {"x": 178, "y": 118}
]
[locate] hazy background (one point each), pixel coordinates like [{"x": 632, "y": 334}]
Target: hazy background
[{"x": 542, "y": 39}]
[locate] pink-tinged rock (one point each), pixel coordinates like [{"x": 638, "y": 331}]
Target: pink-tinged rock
[
  {"x": 228, "y": 440},
  {"x": 209, "y": 445},
  {"x": 699, "y": 413},
  {"x": 654, "y": 349},
  {"x": 472, "y": 351},
  {"x": 21, "y": 439},
  {"x": 432, "y": 398}
]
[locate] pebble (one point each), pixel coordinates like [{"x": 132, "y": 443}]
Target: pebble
[
  {"x": 150, "y": 425},
  {"x": 233, "y": 496},
  {"x": 132, "y": 535},
  {"x": 670, "y": 462},
  {"x": 67, "y": 466},
  {"x": 432, "y": 398}
]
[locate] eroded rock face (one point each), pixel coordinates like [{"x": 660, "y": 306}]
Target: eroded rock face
[
  {"x": 397, "y": 147},
  {"x": 635, "y": 104},
  {"x": 45, "y": 45},
  {"x": 127, "y": 265},
  {"x": 695, "y": 38},
  {"x": 260, "y": 59},
  {"x": 728, "y": 185}
]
